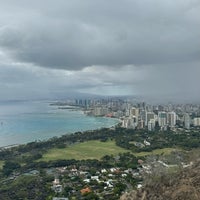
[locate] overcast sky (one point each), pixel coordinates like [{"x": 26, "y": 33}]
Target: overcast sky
[{"x": 147, "y": 48}]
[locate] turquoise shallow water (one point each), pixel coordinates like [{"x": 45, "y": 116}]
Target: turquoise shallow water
[{"x": 22, "y": 122}]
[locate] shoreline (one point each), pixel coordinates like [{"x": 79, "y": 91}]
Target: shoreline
[
  {"x": 25, "y": 137},
  {"x": 9, "y": 146},
  {"x": 45, "y": 140}
]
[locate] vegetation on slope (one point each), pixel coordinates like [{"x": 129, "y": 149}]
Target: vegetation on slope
[{"x": 183, "y": 184}]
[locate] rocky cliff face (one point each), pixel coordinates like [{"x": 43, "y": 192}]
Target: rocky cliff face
[{"x": 183, "y": 186}]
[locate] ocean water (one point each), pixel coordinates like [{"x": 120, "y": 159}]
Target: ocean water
[{"x": 22, "y": 122}]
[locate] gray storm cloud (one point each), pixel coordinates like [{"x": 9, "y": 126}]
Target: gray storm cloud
[
  {"x": 141, "y": 47},
  {"x": 75, "y": 34}
]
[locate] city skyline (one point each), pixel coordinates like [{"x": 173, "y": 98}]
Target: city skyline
[{"x": 145, "y": 48}]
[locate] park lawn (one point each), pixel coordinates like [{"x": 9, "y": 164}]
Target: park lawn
[
  {"x": 164, "y": 151},
  {"x": 1, "y": 164},
  {"x": 87, "y": 150},
  {"x": 94, "y": 150}
]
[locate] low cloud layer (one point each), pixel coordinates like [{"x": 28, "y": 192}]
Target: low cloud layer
[{"x": 149, "y": 47}]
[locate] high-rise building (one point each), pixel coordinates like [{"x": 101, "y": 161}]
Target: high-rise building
[
  {"x": 143, "y": 115},
  {"x": 187, "y": 121},
  {"x": 196, "y": 121},
  {"x": 134, "y": 112},
  {"x": 171, "y": 119},
  {"x": 162, "y": 119},
  {"x": 149, "y": 116},
  {"x": 140, "y": 124},
  {"x": 129, "y": 123},
  {"x": 100, "y": 111},
  {"x": 151, "y": 124}
]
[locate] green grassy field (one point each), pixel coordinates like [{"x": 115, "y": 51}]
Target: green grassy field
[
  {"x": 94, "y": 150},
  {"x": 86, "y": 150}
]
